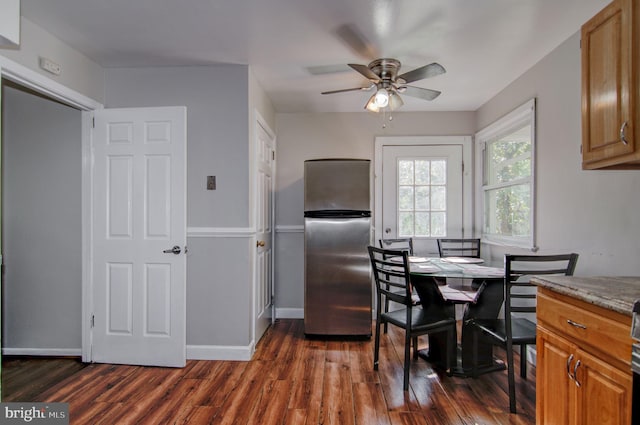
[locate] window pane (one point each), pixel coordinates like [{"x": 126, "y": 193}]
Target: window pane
[
  {"x": 508, "y": 211},
  {"x": 405, "y": 172},
  {"x": 422, "y": 224},
  {"x": 439, "y": 172},
  {"x": 405, "y": 198},
  {"x": 406, "y": 224},
  {"x": 438, "y": 198},
  {"x": 422, "y": 172},
  {"x": 509, "y": 157},
  {"x": 438, "y": 224},
  {"x": 422, "y": 198}
]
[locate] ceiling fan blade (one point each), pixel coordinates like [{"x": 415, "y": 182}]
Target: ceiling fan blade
[
  {"x": 426, "y": 71},
  {"x": 426, "y": 94},
  {"x": 353, "y": 38},
  {"x": 346, "y": 90},
  {"x": 364, "y": 70}
]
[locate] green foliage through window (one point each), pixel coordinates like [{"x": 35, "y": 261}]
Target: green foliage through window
[{"x": 507, "y": 177}]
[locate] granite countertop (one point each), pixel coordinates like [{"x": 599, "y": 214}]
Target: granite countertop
[{"x": 613, "y": 293}]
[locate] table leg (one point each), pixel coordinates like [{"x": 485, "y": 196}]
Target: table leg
[{"x": 488, "y": 307}]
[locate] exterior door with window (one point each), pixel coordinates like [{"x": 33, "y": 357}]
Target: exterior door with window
[{"x": 422, "y": 194}]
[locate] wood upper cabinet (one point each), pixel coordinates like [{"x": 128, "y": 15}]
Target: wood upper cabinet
[
  {"x": 583, "y": 372},
  {"x": 611, "y": 87}
]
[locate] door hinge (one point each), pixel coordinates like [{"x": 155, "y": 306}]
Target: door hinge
[
  {"x": 580, "y": 149},
  {"x": 93, "y": 122},
  {"x": 463, "y": 166},
  {"x": 93, "y": 320},
  {"x": 273, "y": 155}
]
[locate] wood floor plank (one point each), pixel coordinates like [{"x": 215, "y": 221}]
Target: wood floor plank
[
  {"x": 292, "y": 380},
  {"x": 337, "y": 398},
  {"x": 369, "y": 404},
  {"x": 273, "y": 403}
]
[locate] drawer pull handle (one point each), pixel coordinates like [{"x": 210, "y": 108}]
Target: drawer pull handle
[
  {"x": 623, "y": 135},
  {"x": 575, "y": 324},
  {"x": 569, "y": 360},
  {"x": 575, "y": 370}
]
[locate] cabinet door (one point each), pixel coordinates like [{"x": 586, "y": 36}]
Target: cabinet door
[
  {"x": 606, "y": 84},
  {"x": 555, "y": 392},
  {"x": 604, "y": 393}
]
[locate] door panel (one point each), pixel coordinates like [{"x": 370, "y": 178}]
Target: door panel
[
  {"x": 139, "y": 215},
  {"x": 438, "y": 192},
  {"x": 265, "y": 168}
]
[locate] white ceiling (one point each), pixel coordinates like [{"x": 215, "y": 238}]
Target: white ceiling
[{"x": 483, "y": 44}]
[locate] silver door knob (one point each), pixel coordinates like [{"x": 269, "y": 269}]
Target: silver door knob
[{"x": 174, "y": 250}]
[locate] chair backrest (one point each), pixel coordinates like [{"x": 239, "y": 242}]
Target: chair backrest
[
  {"x": 391, "y": 274},
  {"x": 397, "y": 244},
  {"x": 459, "y": 247},
  {"x": 518, "y": 270}
]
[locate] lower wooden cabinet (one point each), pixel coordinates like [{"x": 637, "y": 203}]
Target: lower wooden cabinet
[
  {"x": 575, "y": 387},
  {"x": 577, "y": 381}
]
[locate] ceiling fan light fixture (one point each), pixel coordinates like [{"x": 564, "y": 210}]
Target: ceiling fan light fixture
[
  {"x": 381, "y": 98},
  {"x": 395, "y": 101},
  {"x": 371, "y": 104}
]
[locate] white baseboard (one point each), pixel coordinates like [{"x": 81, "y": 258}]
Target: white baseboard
[
  {"x": 51, "y": 352},
  {"x": 220, "y": 352},
  {"x": 194, "y": 352},
  {"x": 289, "y": 313}
]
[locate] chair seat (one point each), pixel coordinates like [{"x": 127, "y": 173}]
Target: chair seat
[
  {"x": 523, "y": 330},
  {"x": 420, "y": 320}
]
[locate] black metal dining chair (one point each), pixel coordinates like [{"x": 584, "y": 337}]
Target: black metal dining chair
[
  {"x": 404, "y": 244},
  {"x": 392, "y": 278},
  {"x": 514, "y": 328},
  {"x": 397, "y": 244},
  {"x": 459, "y": 247}
]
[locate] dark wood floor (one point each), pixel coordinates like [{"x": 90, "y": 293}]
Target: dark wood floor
[{"x": 291, "y": 380}]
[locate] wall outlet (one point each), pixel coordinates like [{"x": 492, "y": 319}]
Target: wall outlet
[{"x": 50, "y": 66}]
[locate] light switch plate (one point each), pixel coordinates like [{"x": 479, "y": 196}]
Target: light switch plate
[{"x": 211, "y": 182}]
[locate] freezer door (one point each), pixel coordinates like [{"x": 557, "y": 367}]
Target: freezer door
[
  {"x": 337, "y": 185},
  {"x": 338, "y": 286}
]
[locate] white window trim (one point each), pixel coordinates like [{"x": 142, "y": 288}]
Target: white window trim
[{"x": 525, "y": 113}]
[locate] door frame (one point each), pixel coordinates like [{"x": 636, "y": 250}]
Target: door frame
[
  {"x": 30, "y": 79},
  {"x": 467, "y": 174}
]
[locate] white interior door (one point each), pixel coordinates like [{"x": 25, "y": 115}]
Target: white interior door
[
  {"x": 265, "y": 167},
  {"x": 139, "y": 216},
  {"x": 422, "y": 194}
]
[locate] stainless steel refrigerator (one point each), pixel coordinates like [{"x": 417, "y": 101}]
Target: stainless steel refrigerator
[{"x": 337, "y": 231}]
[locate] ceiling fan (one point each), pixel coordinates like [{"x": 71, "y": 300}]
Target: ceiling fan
[{"x": 383, "y": 75}]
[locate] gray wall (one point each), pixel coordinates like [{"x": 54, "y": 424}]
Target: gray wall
[
  {"x": 79, "y": 73},
  {"x": 593, "y": 213},
  {"x": 324, "y": 135},
  {"x": 218, "y": 268},
  {"x": 41, "y": 217}
]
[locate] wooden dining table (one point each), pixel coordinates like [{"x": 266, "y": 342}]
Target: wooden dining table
[{"x": 480, "y": 289}]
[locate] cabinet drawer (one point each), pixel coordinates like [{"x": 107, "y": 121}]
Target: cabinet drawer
[{"x": 586, "y": 324}]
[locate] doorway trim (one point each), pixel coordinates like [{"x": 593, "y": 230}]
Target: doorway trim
[
  {"x": 30, "y": 79},
  {"x": 467, "y": 175}
]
